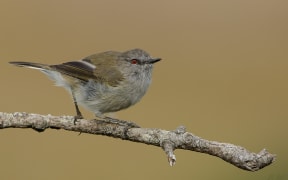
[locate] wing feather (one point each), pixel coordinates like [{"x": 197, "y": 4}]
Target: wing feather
[
  {"x": 94, "y": 69},
  {"x": 77, "y": 69}
]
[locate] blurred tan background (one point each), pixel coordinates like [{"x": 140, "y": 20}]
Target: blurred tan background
[{"x": 223, "y": 75}]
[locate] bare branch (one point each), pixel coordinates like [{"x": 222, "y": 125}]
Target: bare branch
[{"x": 167, "y": 140}]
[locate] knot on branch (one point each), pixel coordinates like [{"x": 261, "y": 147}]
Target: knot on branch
[{"x": 180, "y": 130}]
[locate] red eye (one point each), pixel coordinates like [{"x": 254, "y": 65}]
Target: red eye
[{"x": 134, "y": 61}]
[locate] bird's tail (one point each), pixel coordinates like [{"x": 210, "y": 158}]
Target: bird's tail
[{"x": 31, "y": 65}]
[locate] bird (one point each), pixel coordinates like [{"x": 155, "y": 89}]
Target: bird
[{"x": 104, "y": 82}]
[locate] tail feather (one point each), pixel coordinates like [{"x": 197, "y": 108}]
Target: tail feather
[{"x": 30, "y": 65}]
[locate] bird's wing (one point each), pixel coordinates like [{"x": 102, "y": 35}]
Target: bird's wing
[
  {"x": 77, "y": 69},
  {"x": 85, "y": 70}
]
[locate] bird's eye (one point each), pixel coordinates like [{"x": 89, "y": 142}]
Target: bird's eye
[{"x": 134, "y": 61}]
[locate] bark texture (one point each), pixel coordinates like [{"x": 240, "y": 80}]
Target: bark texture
[{"x": 167, "y": 140}]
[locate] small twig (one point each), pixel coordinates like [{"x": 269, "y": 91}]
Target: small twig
[{"x": 168, "y": 140}]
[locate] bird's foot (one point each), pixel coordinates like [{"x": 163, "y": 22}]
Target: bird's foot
[
  {"x": 78, "y": 116},
  {"x": 119, "y": 122}
]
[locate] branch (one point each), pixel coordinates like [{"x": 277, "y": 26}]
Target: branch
[{"x": 167, "y": 140}]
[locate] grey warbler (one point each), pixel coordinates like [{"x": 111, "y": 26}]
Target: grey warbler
[{"x": 103, "y": 82}]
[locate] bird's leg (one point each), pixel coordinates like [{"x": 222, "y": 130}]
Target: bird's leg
[{"x": 78, "y": 113}]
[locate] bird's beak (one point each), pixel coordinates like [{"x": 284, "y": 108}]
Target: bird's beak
[{"x": 154, "y": 60}]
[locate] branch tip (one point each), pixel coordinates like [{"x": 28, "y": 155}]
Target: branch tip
[
  {"x": 172, "y": 159},
  {"x": 168, "y": 146}
]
